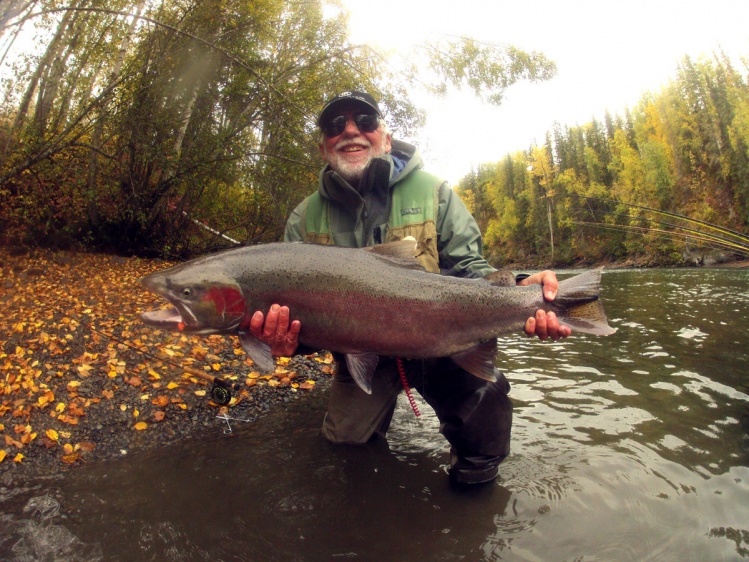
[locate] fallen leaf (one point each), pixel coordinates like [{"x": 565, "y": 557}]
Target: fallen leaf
[
  {"x": 140, "y": 426},
  {"x": 72, "y": 458},
  {"x": 10, "y": 441},
  {"x": 27, "y": 438}
]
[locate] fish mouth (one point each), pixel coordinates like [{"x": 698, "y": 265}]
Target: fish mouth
[
  {"x": 166, "y": 317},
  {"x": 178, "y": 317}
]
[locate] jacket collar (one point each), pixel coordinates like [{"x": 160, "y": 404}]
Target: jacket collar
[{"x": 403, "y": 159}]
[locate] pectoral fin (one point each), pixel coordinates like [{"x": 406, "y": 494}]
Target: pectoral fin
[
  {"x": 258, "y": 351},
  {"x": 479, "y": 360},
  {"x": 362, "y": 367}
]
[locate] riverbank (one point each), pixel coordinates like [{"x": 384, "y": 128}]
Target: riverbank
[{"x": 83, "y": 380}]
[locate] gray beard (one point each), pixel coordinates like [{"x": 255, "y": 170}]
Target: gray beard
[{"x": 352, "y": 173}]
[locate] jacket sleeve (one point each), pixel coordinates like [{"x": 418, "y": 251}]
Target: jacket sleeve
[
  {"x": 295, "y": 231},
  {"x": 459, "y": 238}
]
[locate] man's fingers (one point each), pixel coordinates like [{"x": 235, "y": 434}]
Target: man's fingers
[
  {"x": 256, "y": 324},
  {"x": 541, "y": 325},
  {"x": 271, "y": 323},
  {"x": 282, "y": 328},
  {"x": 294, "y": 329},
  {"x": 530, "y": 327}
]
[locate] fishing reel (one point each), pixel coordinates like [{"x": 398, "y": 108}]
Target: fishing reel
[{"x": 221, "y": 391}]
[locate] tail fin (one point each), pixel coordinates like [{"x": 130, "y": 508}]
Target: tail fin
[{"x": 581, "y": 307}]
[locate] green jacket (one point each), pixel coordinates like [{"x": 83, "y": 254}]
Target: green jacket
[{"x": 363, "y": 219}]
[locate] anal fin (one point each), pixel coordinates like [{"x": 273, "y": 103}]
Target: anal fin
[
  {"x": 362, "y": 367},
  {"x": 479, "y": 360}
]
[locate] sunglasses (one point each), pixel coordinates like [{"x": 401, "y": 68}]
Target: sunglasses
[{"x": 365, "y": 122}]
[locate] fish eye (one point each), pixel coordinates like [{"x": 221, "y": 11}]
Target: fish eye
[{"x": 186, "y": 292}]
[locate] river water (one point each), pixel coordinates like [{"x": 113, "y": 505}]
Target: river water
[{"x": 631, "y": 447}]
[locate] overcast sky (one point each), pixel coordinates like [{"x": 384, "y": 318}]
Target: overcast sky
[{"x": 608, "y": 54}]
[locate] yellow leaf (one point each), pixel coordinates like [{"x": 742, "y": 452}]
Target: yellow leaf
[
  {"x": 283, "y": 360},
  {"x": 52, "y": 434},
  {"x": 2, "y": 455},
  {"x": 18, "y": 458},
  {"x": 67, "y": 448},
  {"x": 200, "y": 393},
  {"x": 140, "y": 426},
  {"x": 60, "y": 408},
  {"x": 172, "y": 385},
  {"x": 153, "y": 375},
  {"x": 136, "y": 413},
  {"x": 216, "y": 366}
]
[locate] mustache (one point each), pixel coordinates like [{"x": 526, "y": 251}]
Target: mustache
[{"x": 343, "y": 143}]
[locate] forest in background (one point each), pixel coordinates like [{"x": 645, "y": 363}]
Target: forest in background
[
  {"x": 124, "y": 124},
  {"x": 667, "y": 183}
]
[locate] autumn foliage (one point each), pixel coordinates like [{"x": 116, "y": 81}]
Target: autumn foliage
[{"x": 81, "y": 377}]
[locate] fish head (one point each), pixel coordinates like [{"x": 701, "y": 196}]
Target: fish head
[{"x": 204, "y": 301}]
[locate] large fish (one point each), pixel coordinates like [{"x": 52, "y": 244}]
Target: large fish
[{"x": 363, "y": 303}]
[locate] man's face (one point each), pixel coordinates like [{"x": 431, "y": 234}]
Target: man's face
[{"x": 350, "y": 152}]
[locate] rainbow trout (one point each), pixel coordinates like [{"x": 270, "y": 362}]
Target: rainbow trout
[{"x": 363, "y": 303}]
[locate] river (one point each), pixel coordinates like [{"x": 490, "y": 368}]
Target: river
[{"x": 632, "y": 447}]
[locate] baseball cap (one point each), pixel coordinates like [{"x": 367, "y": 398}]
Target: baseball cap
[{"x": 349, "y": 96}]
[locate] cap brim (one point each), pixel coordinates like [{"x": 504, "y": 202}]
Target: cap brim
[{"x": 328, "y": 109}]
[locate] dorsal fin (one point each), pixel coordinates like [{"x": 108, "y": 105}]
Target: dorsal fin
[{"x": 401, "y": 253}]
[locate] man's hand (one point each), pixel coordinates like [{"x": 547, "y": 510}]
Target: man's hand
[
  {"x": 545, "y": 324},
  {"x": 275, "y": 329}
]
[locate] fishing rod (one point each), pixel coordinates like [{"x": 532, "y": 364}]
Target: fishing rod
[
  {"x": 691, "y": 232},
  {"x": 723, "y": 230},
  {"x": 660, "y": 233}
]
